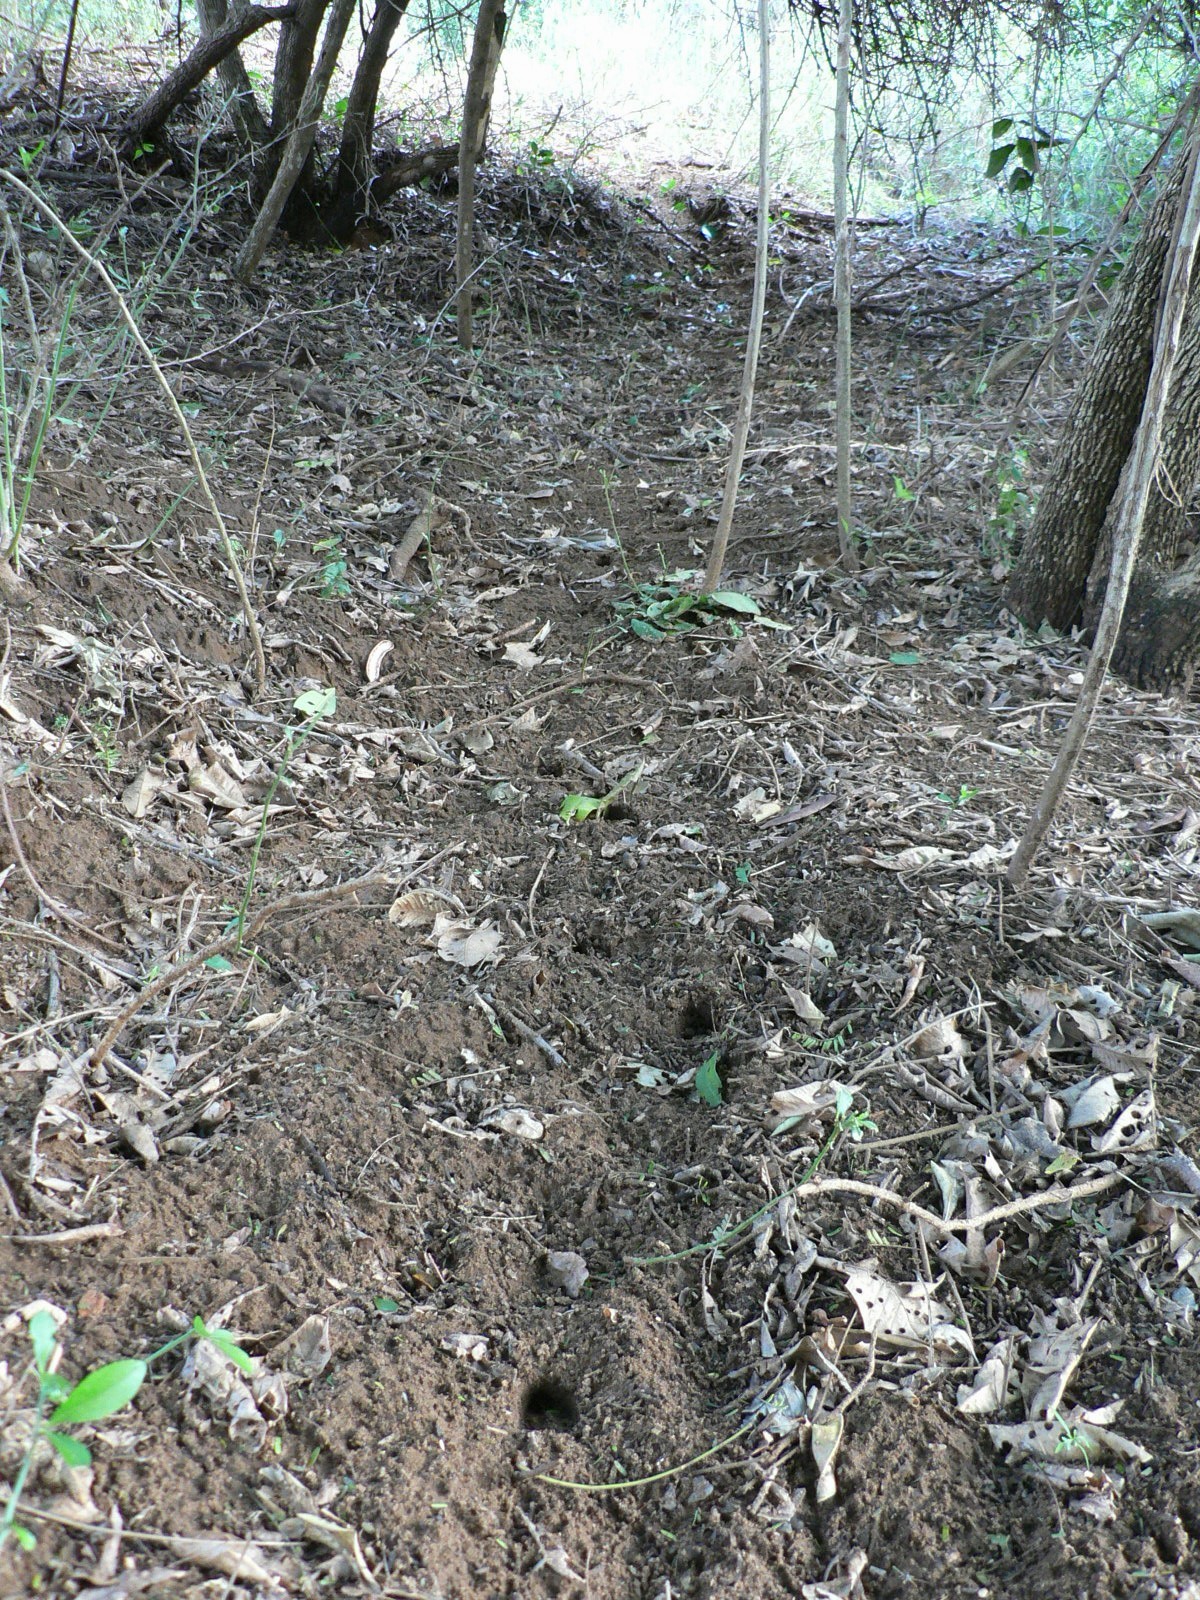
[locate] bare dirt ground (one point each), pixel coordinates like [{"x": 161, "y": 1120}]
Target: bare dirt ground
[{"x": 483, "y": 1162}]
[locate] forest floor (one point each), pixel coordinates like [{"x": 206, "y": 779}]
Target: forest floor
[{"x": 490, "y": 1163}]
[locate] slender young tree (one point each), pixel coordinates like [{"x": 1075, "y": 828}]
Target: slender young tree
[
  {"x": 299, "y": 143},
  {"x": 481, "y": 78},
  {"x": 741, "y": 429},
  {"x": 1133, "y": 499},
  {"x": 842, "y": 284}
]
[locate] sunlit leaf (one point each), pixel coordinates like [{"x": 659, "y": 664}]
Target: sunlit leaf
[
  {"x": 101, "y": 1393},
  {"x": 708, "y": 1081},
  {"x": 43, "y": 1334},
  {"x": 72, "y": 1452}
]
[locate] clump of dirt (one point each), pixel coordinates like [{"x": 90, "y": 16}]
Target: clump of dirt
[{"x": 474, "y": 1143}]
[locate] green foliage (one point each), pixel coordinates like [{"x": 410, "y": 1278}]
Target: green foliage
[
  {"x": 658, "y": 610},
  {"x": 1025, "y": 147},
  {"x": 708, "y": 1081},
  {"x": 1013, "y": 509},
  {"x": 313, "y": 705},
  {"x": 100, "y": 1393}
]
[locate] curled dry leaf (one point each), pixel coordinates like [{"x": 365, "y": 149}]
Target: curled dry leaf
[
  {"x": 1135, "y": 1129},
  {"x": 995, "y": 1383},
  {"x": 809, "y": 1104},
  {"x": 466, "y": 946},
  {"x": 803, "y": 1005},
  {"x": 307, "y": 1351},
  {"x": 807, "y": 948},
  {"x": 237, "y": 1558},
  {"x": 1066, "y": 1438},
  {"x": 905, "y": 1316},
  {"x": 378, "y": 654},
  {"x": 138, "y": 796},
  {"x": 915, "y": 859},
  {"x": 213, "y": 783},
  {"x": 522, "y": 656},
  {"x": 825, "y": 1438},
  {"x": 1092, "y": 1102},
  {"x": 515, "y": 1120},
  {"x": 333, "y": 1535},
  {"x": 466, "y": 1346},
  {"x": 418, "y": 906},
  {"x": 209, "y": 1370},
  {"x": 939, "y": 1038}
]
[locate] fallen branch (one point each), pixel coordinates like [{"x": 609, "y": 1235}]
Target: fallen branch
[{"x": 304, "y": 901}]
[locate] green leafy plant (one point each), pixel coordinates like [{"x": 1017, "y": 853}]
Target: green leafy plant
[
  {"x": 1014, "y": 504},
  {"x": 708, "y": 1081},
  {"x": 579, "y": 807},
  {"x": 1072, "y": 1438},
  {"x": 966, "y": 793},
  {"x": 334, "y": 566},
  {"x": 658, "y": 610},
  {"x": 18, "y": 465},
  {"x": 1026, "y": 147},
  {"x": 100, "y": 1393}
]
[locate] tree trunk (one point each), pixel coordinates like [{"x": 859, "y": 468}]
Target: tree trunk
[
  {"x": 477, "y": 105},
  {"x": 354, "y": 171},
  {"x": 248, "y": 119},
  {"x": 1049, "y": 580},
  {"x": 298, "y": 149},
  {"x": 293, "y": 65},
  {"x": 192, "y": 71}
]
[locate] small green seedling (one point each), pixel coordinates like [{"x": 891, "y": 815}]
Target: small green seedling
[
  {"x": 100, "y": 1393},
  {"x": 659, "y": 610},
  {"x": 579, "y": 807},
  {"x": 313, "y": 705}
]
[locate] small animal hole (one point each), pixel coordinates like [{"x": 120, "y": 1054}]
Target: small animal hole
[
  {"x": 696, "y": 1019},
  {"x": 549, "y": 1407}
]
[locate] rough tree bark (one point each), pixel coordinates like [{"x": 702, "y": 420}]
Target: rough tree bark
[
  {"x": 477, "y": 105},
  {"x": 354, "y": 169},
  {"x": 211, "y": 50},
  {"x": 298, "y": 148},
  {"x": 1051, "y": 573},
  {"x": 1062, "y": 571},
  {"x": 293, "y": 64},
  {"x": 247, "y": 117}
]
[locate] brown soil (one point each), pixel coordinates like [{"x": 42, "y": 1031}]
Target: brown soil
[{"x": 343, "y": 1124}]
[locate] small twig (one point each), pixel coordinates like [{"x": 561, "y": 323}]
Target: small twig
[
  {"x": 654, "y": 1477},
  {"x": 91, "y": 1230},
  {"x": 226, "y": 946},
  {"x": 1055, "y": 1196},
  {"x": 56, "y": 906}
]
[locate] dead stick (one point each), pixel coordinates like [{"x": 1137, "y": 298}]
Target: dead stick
[{"x": 220, "y": 947}]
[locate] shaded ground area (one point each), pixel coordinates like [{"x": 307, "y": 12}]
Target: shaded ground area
[{"x": 383, "y": 1144}]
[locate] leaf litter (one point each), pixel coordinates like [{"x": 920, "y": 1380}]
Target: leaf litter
[{"x": 776, "y": 1123}]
